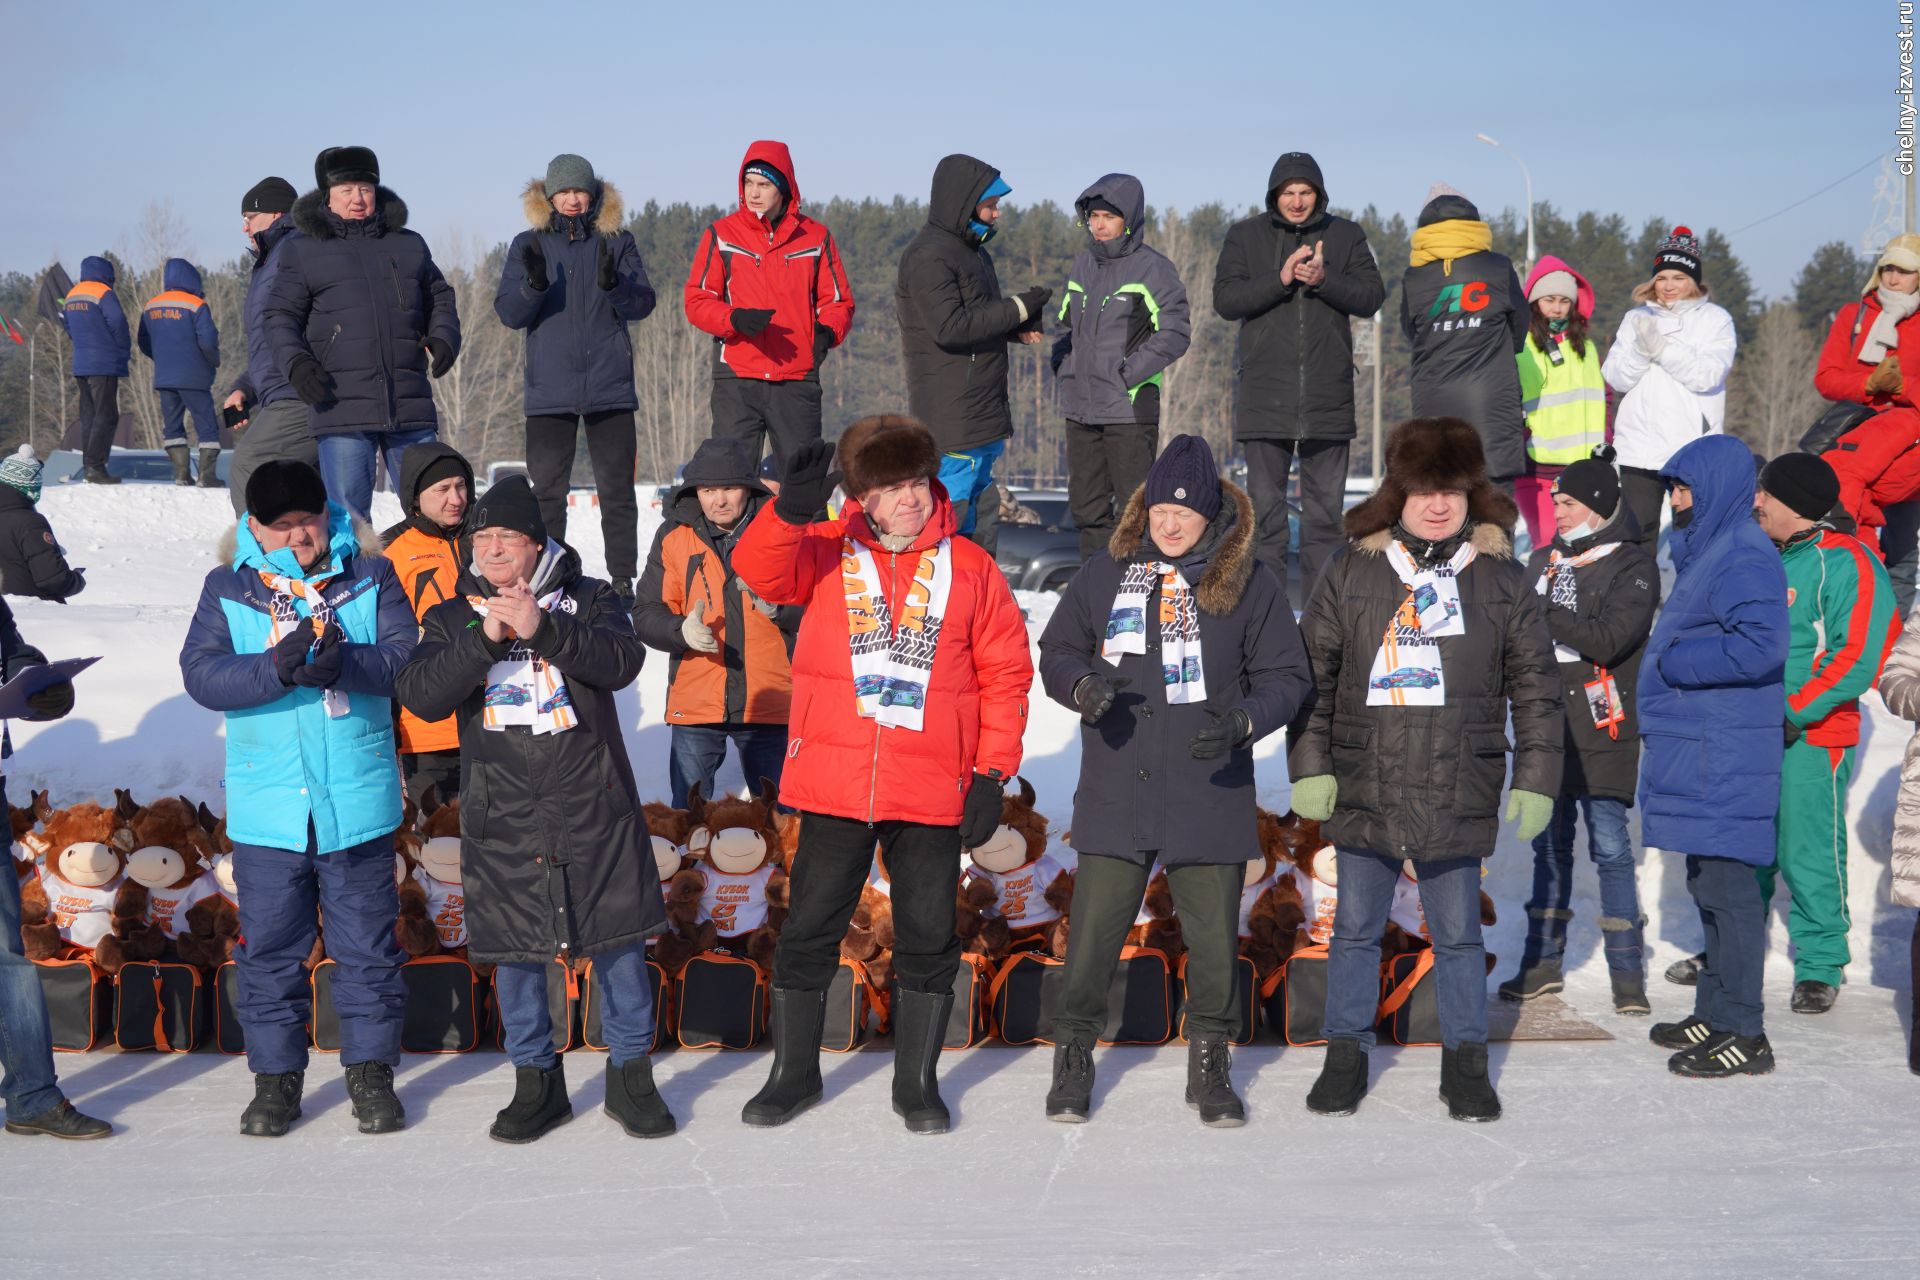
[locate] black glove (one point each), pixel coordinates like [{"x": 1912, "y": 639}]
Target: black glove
[
  {"x": 1094, "y": 695},
  {"x": 291, "y": 653},
  {"x": 1227, "y": 731},
  {"x": 982, "y": 814},
  {"x": 328, "y": 658},
  {"x": 1035, "y": 300},
  {"x": 1790, "y": 733},
  {"x": 233, "y": 417},
  {"x": 442, "y": 355},
  {"x": 535, "y": 263},
  {"x": 804, "y": 491},
  {"x": 608, "y": 276},
  {"x": 1058, "y": 358},
  {"x": 309, "y": 381},
  {"x": 747, "y": 321},
  {"x": 822, "y": 343}
]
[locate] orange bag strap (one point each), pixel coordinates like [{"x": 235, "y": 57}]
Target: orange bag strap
[
  {"x": 160, "y": 1040},
  {"x": 1000, "y": 976},
  {"x": 1316, "y": 952},
  {"x": 1403, "y": 991}
]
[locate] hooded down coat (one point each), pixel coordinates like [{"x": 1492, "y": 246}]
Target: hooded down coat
[
  {"x": 790, "y": 267},
  {"x": 1141, "y": 791},
  {"x": 96, "y": 323},
  {"x": 1293, "y": 358},
  {"x": 843, "y": 764},
  {"x": 362, "y": 298},
  {"x": 1712, "y": 697},
  {"x": 1679, "y": 395},
  {"x": 579, "y": 354},
  {"x": 954, "y": 325},
  {"x": 177, "y": 331},
  {"x": 1900, "y": 690},
  {"x": 1125, "y": 314},
  {"x": 555, "y": 856}
]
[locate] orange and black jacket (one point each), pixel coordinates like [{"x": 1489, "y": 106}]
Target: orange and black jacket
[
  {"x": 748, "y": 681},
  {"x": 430, "y": 565}
]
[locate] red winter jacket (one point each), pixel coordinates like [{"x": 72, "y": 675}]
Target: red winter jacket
[
  {"x": 841, "y": 764},
  {"x": 1841, "y": 376},
  {"x": 792, "y": 267}
]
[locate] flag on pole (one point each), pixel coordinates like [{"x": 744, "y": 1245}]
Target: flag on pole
[
  {"x": 12, "y": 330},
  {"x": 50, "y": 299}
]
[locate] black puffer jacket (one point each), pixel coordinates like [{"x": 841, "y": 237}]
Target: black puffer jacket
[
  {"x": 1293, "y": 362},
  {"x": 954, "y": 325},
  {"x": 31, "y": 561},
  {"x": 554, "y": 857},
  {"x": 1612, "y": 614},
  {"x": 1424, "y": 782}
]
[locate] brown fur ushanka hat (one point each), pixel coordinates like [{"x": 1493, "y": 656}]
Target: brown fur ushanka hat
[
  {"x": 885, "y": 449},
  {"x": 1426, "y": 454}
]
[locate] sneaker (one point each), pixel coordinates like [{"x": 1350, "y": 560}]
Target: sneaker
[
  {"x": 1465, "y": 1086},
  {"x": 1072, "y": 1094},
  {"x": 1814, "y": 997},
  {"x": 1630, "y": 993},
  {"x": 539, "y": 1105},
  {"x": 1210, "y": 1082},
  {"x": 1724, "y": 1054},
  {"x": 375, "y": 1105},
  {"x": 275, "y": 1105},
  {"x": 1680, "y": 1035},
  {"x": 1343, "y": 1079},
  {"x": 1543, "y": 977},
  {"x": 61, "y": 1121},
  {"x": 1686, "y": 973}
]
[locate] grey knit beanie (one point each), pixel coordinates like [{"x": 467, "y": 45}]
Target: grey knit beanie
[{"x": 569, "y": 172}]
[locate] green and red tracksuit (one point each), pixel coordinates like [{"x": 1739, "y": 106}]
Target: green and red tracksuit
[{"x": 1842, "y": 622}]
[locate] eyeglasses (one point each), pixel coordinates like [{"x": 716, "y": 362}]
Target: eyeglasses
[{"x": 506, "y": 538}]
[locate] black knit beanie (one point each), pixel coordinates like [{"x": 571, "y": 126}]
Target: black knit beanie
[
  {"x": 1592, "y": 482},
  {"x": 269, "y": 195},
  {"x": 511, "y": 505},
  {"x": 1804, "y": 482},
  {"x": 1678, "y": 252},
  {"x": 1185, "y": 473}
]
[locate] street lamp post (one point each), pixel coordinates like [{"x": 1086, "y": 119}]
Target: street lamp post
[{"x": 1528, "y": 177}]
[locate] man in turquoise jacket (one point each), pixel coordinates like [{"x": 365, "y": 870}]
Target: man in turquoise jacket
[{"x": 297, "y": 639}]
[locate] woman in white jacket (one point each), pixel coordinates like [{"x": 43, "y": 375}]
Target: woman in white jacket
[{"x": 1669, "y": 363}]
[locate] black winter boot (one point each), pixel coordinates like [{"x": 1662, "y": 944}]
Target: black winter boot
[
  {"x": 919, "y": 1031},
  {"x": 1543, "y": 977},
  {"x": 99, "y": 475},
  {"x": 275, "y": 1105},
  {"x": 1813, "y": 997},
  {"x": 1684, "y": 1034},
  {"x": 794, "y": 1084},
  {"x": 375, "y": 1105},
  {"x": 1210, "y": 1082},
  {"x": 1072, "y": 1094},
  {"x": 539, "y": 1105},
  {"x": 1724, "y": 1054},
  {"x": 1540, "y": 956},
  {"x": 1343, "y": 1079},
  {"x": 634, "y": 1102},
  {"x": 210, "y": 467},
  {"x": 1629, "y": 992},
  {"x": 1686, "y": 973},
  {"x": 1465, "y": 1086},
  {"x": 61, "y": 1121},
  {"x": 177, "y": 458}
]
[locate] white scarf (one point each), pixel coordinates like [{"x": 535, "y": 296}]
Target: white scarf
[
  {"x": 286, "y": 616},
  {"x": 1181, "y": 663},
  {"x": 1558, "y": 584},
  {"x": 523, "y": 687},
  {"x": 893, "y": 660},
  {"x": 1407, "y": 671},
  {"x": 1883, "y": 335}
]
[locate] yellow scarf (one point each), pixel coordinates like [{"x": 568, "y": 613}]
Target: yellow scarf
[{"x": 1445, "y": 241}]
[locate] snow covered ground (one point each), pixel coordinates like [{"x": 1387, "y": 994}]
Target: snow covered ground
[{"x": 1603, "y": 1162}]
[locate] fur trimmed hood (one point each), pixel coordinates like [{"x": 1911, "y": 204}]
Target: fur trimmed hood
[
  {"x": 608, "y": 210},
  {"x": 1427, "y": 454},
  {"x": 1230, "y": 563},
  {"x": 311, "y": 217}
]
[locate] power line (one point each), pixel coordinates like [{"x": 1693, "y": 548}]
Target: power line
[{"x": 1874, "y": 159}]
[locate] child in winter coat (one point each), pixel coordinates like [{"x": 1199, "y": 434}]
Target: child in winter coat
[
  {"x": 1561, "y": 390},
  {"x": 31, "y": 561}
]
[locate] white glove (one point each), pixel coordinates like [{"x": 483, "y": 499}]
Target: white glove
[
  {"x": 766, "y": 610},
  {"x": 1647, "y": 337},
  {"x": 695, "y": 631}
]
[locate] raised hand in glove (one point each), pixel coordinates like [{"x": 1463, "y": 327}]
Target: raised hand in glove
[
  {"x": 695, "y": 631},
  {"x": 1228, "y": 730},
  {"x": 608, "y": 275},
  {"x": 290, "y": 654},
  {"x": 982, "y": 813},
  {"x": 749, "y": 321},
  {"x": 323, "y": 668},
  {"x": 442, "y": 354},
  {"x": 804, "y": 491},
  {"x": 1313, "y": 797},
  {"x": 1885, "y": 380},
  {"x": 535, "y": 263},
  {"x": 1648, "y": 338},
  {"x": 1529, "y": 812},
  {"x": 308, "y": 380},
  {"x": 1033, "y": 301},
  {"x": 1094, "y": 695}
]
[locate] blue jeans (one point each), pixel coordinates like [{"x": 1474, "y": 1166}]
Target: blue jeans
[
  {"x": 695, "y": 753},
  {"x": 175, "y": 404},
  {"x": 965, "y": 474},
  {"x": 1734, "y": 916},
  {"x": 26, "y": 1040},
  {"x": 348, "y": 459},
  {"x": 626, "y": 1017},
  {"x": 283, "y": 893},
  {"x": 1612, "y": 852},
  {"x": 1450, "y": 895}
]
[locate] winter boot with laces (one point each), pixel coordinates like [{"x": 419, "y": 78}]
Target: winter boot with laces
[
  {"x": 375, "y": 1105},
  {"x": 1210, "y": 1082},
  {"x": 275, "y": 1105},
  {"x": 1072, "y": 1094},
  {"x": 634, "y": 1102},
  {"x": 1684, "y": 1034},
  {"x": 919, "y": 1032},
  {"x": 539, "y": 1105},
  {"x": 1343, "y": 1079},
  {"x": 1465, "y": 1086},
  {"x": 794, "y": 1084},
  {"x": 1724, "y": 1054}
]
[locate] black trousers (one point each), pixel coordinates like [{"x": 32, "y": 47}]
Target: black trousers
[
  {"x": 611, "y": 447},
  {"x": 1105, "y": 464},
  {"x": 833, "y": 862},
  {"x": 755, "y": 409},
  {"x": 99, "y": 418},
  {"x": 423, "y": 769},
  {"x": 1323, "y": 483},
  {"x": 1643, "y": 492}
]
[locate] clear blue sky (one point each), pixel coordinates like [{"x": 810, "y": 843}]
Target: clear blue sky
[{"x": 1708, "y": 116}]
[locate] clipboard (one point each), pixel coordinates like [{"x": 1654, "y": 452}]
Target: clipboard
[{"x": 31, "y": 680}]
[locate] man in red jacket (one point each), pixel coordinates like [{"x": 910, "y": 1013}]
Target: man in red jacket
[
  {"x": 768, "y": 285},
  {"x": 910, "y": 681}
]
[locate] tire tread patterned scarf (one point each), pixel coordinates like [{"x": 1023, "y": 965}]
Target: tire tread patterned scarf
[
  {"x": 893, "y": 657},
  {"x": 1562, "y": 590},
  {"x": 1406, "y": 670},
  {"x": 286, "y": 616},
  {"x": 1182, "y": 665}
]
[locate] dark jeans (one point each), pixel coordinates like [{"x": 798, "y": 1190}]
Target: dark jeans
[
  {"x": 283, "y": 894},
  {"x": 758, "y": 411},
  {"x": 626, "y": 1016},
  {"x": 1643, "y": 493},
  {"x": 350, "y": 463},
  {"x": 833, "y": 862},
  {"x": 99, "y": 418},
  {"x": 1105, "y": 464},
  {"x": 1900, "y": 545},
  {"x": 1450, "y": 896},
  {"x": 275, "y": 431},
  {"x": 611, "y": 447},
  {"x": 175, "y": 404},
  {"x": 1106, "y": 898},
  {"x": 423, "y": 769},
  {"x": 1323, "y": 484},
  {"x": 1735, "y": 919},
  {"x": 695, "y": 753},
  {"x": 26, "y": 1040},
  {"x": 1611, "y": 849}
]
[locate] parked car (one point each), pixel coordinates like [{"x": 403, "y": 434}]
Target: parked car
[
  {"x": 134, "y": 466},
  {"x": 1043, "y": 556}
]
